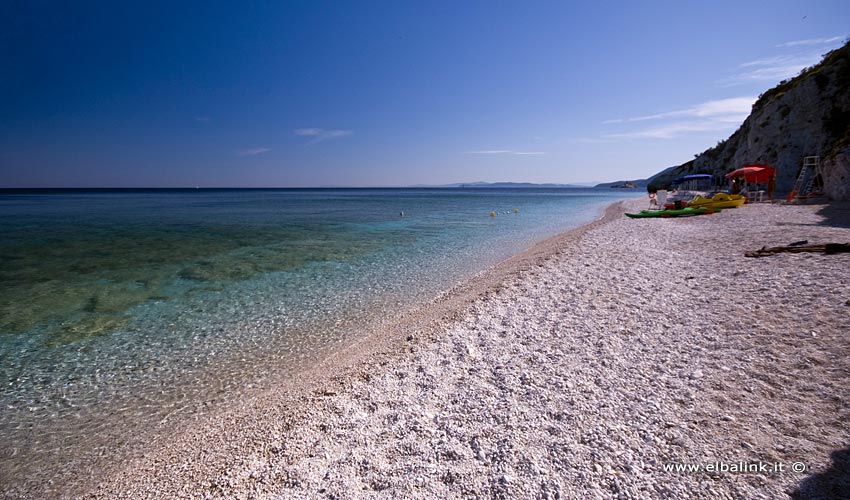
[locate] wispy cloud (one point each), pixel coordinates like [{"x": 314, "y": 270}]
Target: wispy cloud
[
  {"x": 503, "y": 152},
  {"x": 321, "y": 134},
  {"x": 732, "y": 109},
  {"x": 773, "y": 69},
  {"x": 812, "y": 41},
  {"x": 673, "y": 130},
  {"x": 769, "y": 61},
  {"x": 252, "y": 151},
  {"x": 800, "y": 54},
  {"x": 709, "y": 116}
]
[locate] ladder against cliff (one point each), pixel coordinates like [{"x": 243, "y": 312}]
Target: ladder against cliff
[{"x": 810, "y": 181}]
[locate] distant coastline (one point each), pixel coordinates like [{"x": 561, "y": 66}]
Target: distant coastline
[{"x": 512, "y": 185}]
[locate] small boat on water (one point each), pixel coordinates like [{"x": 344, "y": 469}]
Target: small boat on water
[
  {"x": 719, "y": 200},
  {"x": 681, "y": 212}
]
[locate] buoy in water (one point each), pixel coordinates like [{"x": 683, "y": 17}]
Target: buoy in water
[
  {"x": 492, "y": 214},
  {"x": 516, "y": 210}
]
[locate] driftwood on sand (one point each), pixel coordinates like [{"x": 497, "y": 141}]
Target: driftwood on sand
[{"x": 828, "y": 248}]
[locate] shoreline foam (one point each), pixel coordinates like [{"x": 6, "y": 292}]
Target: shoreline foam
[{"x": 573, "y": 335}]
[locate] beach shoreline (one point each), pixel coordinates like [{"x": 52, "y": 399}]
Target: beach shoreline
[
  {"x": 386, "y": 340},
  {"x": 75, "y": 411},
  {"x": 271, "y": 445}
]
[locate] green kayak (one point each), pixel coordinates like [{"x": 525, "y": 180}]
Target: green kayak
[{"x": 680, "y": 212}]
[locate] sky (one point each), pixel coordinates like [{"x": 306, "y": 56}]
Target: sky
[{"x": 395, "y": 93}]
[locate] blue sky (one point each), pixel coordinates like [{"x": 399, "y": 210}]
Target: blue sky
[{"x": 278, "y": 94}]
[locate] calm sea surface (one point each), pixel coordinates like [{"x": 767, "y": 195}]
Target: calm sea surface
[{"x": 122, "y": 312}]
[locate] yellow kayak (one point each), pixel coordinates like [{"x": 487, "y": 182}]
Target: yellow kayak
[{"x": 720, "y": 200}]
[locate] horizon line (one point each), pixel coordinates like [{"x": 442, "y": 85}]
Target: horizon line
[{"x": 447, "y": 185}]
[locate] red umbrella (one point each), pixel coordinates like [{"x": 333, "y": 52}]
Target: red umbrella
[{"x": 754, "y": 172}]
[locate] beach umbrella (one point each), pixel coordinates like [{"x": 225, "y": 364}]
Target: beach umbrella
[{"x": 754, "y": 172}]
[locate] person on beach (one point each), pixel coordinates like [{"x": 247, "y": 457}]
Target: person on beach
[
  {"x": 771, "y": 187},
  {"x": 653, "y": 197},
  {"x": 736, "y": 188}
]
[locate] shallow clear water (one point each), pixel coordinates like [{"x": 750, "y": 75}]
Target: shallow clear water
[{"x": 122, "y": 311}]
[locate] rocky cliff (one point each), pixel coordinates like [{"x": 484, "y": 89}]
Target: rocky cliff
[{"x": 808, "y": 115}]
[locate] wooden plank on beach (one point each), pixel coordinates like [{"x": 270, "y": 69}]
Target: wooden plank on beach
[{"x": 829, "y": 249}]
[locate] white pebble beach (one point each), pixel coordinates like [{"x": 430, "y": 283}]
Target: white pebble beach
[{"x": 589, "y": 367}]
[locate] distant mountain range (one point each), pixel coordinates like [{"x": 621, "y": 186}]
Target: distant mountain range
[{"x": 507, "y": 185}]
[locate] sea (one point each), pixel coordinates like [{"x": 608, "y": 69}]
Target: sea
[{"x": 123, "y": 312}]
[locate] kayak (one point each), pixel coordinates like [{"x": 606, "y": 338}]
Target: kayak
[
  {"x": 680, "y": 212},
  {"x": 720, "y": 200}
]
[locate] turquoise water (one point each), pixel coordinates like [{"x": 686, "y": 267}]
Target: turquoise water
[{"x": 122, "y": 312}]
